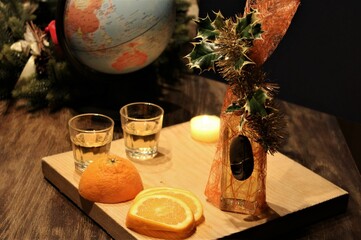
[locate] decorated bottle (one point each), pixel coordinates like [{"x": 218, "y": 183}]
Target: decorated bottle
[
  {"x": 237, "y": 180},
  {"x": 244, "y": 170},
  {"x": 251, "y": 124}
]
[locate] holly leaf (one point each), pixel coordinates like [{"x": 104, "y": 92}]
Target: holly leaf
[
  {"x": 233, "y": 107},
  {"x": 257, "y": 31},
  {"x": 218, "y": 22},
  {"x": 256, "y": 104},
  {"x": 203, "y": 56},
  {"x": 261, "y": 96},
  {"x": 247, "y": 27},
  {"x": 242, "y": 61},
  {"x": 206, "y": 29}
]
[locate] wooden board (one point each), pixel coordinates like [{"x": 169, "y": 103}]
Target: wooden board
[{"x": 296, "y": 195}]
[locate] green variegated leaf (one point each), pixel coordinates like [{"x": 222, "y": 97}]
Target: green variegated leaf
[
  {"x": 203, "y": 56},
  {"x": 247, "y": 33},
  {"x": 218, "y": 22},
  {"x": 256, "y": 104},
  {"x": 261, "y": 96},
  {"x": 243, "y": 23},
  {"x": 242, "y": 61},
  {"x": 233, "y": 107},
  {"x": 257, "y": 31},
  {"x": 206, "y": 30},
  {"x": 247, "y": 26}
]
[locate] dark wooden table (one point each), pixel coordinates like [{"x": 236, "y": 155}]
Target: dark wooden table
[{"x": 31, "y": 208}]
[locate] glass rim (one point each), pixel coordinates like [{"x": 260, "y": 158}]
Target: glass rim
[
  {"x": 142, "y": 103},
  {"x": 91, "y": 114}
]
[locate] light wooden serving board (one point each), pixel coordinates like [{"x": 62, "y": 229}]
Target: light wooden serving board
[{"x": 296, "y": 195}]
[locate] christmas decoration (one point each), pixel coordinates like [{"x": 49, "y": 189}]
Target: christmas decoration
[
  {"x": 225, "y": 45},
  {"x": 13, "y": 17},
  {"x": 251, "y": 124}
]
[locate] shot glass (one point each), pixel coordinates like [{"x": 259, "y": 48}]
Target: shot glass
[
  {"x": 141, "y": 124},
  {"x": 91, "y": 135}
]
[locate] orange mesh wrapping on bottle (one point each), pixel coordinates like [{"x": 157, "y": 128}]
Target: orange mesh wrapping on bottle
[
  {"x": 275, "y": 17},
  {"x": 222, "y": 186},
  {"x": 213, "y": 187}
]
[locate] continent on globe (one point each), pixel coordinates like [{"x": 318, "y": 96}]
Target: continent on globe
[
  {"x": 118, "y": 36},
  {"x": 82, "y": 19},
  {"x": 133, "y": 58}
]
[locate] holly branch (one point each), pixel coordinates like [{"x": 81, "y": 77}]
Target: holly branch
[{"x": 223, "y": 45}]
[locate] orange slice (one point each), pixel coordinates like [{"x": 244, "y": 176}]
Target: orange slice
[
  {"x": 161, "y": 216},
  {"x": 188, "y": 197}
]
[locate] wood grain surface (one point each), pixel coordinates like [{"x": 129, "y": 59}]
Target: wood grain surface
[
  {"x": 31, "y": 208},
  {"x": 292, "y": 190}
]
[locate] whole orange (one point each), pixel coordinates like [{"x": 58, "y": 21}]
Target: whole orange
[{"x": 111, "y": 180}]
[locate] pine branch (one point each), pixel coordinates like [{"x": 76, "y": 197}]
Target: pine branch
[{"x": 13, "y": 16}]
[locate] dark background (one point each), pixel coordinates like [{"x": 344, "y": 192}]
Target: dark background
[{"x": 318, "y": 62}]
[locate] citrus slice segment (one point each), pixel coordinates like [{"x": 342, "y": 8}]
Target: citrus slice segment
[
  {"x": 160, "y": 214},
  {"x": 188, "y": 197},
  {"x": 152, "y": 189}
]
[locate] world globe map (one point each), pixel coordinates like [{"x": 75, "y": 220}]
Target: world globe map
[{"x": 118, "y": 36}]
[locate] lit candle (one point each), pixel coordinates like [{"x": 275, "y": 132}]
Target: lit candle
[{"x": 205, "y": 128}]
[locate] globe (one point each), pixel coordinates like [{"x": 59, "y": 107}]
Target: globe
[{"x": 117, "y": 36}]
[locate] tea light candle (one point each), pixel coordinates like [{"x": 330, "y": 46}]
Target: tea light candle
[{"x": 205, "y": 128}]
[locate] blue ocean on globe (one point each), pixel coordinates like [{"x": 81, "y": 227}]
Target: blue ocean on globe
[{"x": 118, "y": 36}]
